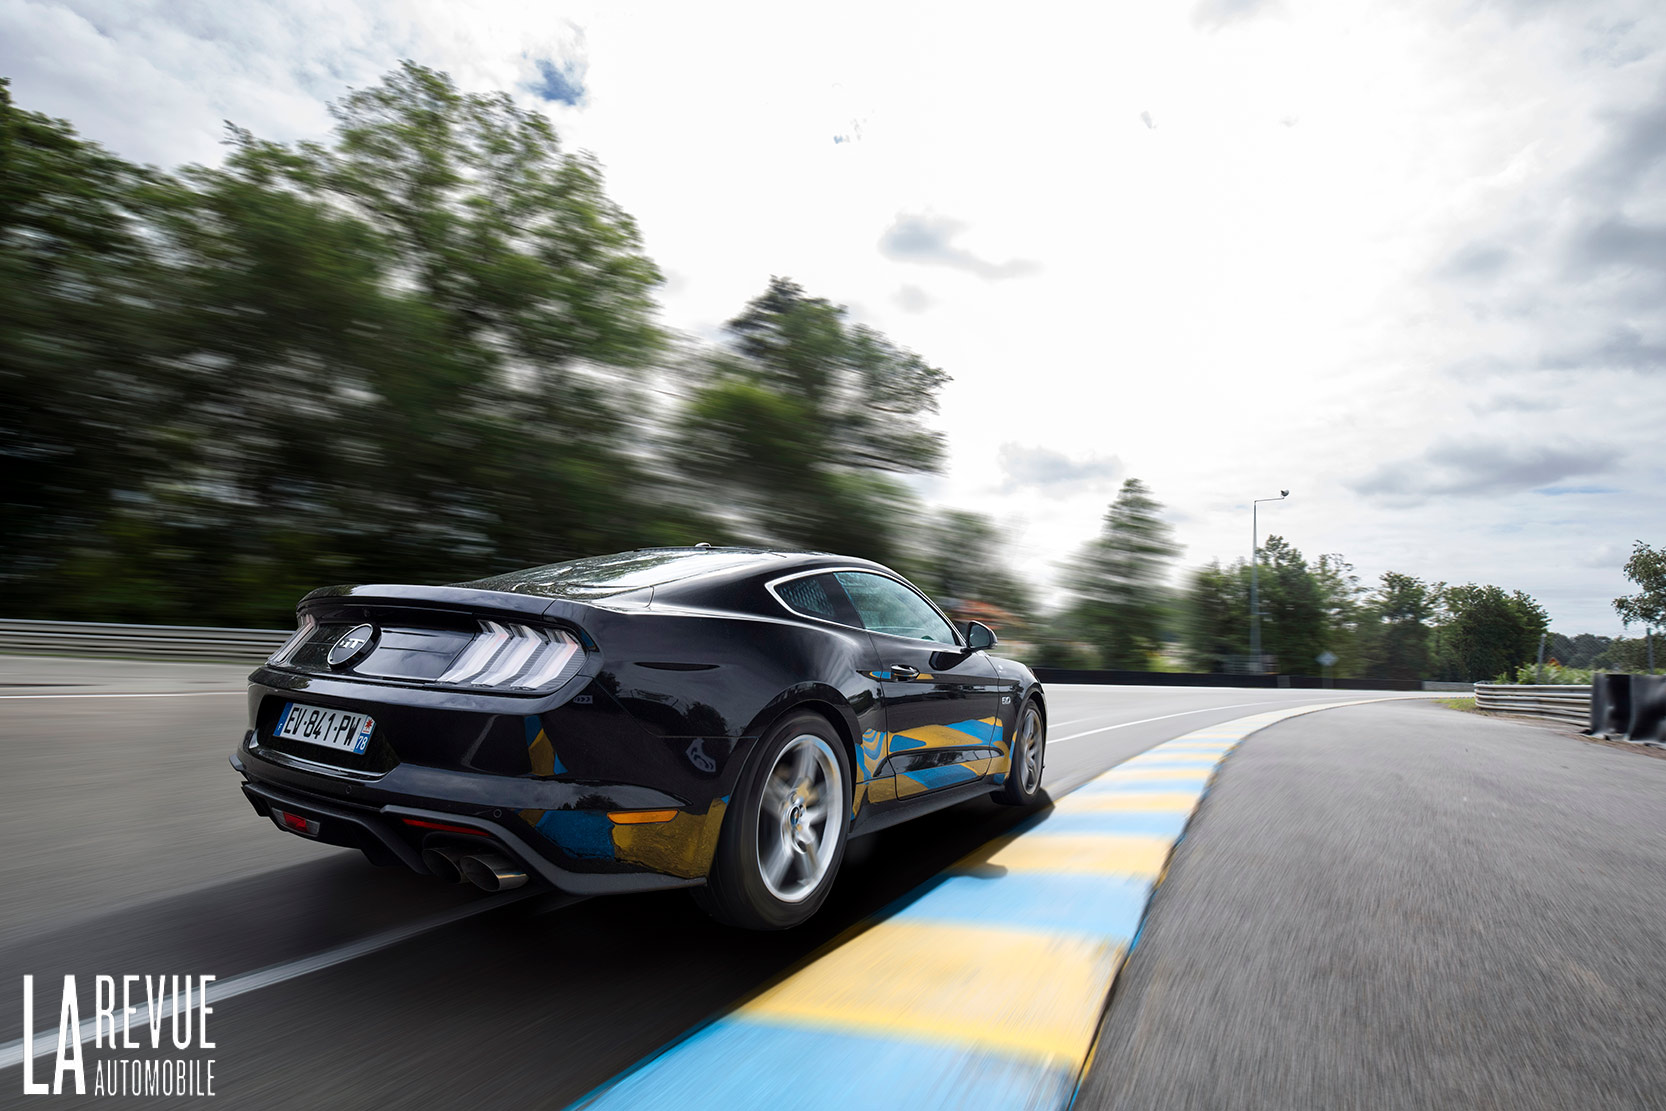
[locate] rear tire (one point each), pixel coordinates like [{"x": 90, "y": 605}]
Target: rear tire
[
  {"x": 784, "y": 835},
  {"x": 1028, "y": 758}
]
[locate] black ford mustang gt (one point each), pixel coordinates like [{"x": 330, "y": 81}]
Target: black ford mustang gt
[{"x": 717, "y": 718}]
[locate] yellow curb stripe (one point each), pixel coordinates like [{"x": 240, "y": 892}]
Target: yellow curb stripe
[
  {"x": 937, "y": 981},
  {"x": 1136, "y": 855}
]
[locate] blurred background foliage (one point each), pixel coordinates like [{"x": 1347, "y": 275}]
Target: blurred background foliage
[
  {"x": 426, "y": 350},
  {"x": 423, "y": 351},
  {"x": 1121, "y": 615}
]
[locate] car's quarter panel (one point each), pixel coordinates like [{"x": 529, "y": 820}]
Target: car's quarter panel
[{"x": 720, "y": 680}]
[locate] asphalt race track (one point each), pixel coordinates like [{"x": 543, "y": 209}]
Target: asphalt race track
[
  {"x": 1391, "y": 904},
  {"x": 1399, "y": 906}
]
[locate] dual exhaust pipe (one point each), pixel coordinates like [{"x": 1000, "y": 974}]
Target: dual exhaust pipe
[{"x": 487, "y": 871}]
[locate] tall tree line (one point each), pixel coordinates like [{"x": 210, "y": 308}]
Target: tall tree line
[{"x": 1123, "y": 614}]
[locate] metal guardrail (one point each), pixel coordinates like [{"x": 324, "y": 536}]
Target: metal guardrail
[
  {"x": 1567, "y": 704},
  {"x": 172, "y": 642},
  {"x": 1221, "y": 679}
]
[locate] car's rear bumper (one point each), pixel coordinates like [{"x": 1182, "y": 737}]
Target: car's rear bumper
[{"x": 559, "y": 833}]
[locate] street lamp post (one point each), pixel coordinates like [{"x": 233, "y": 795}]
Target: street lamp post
[{"x": 1255, "y": 563}]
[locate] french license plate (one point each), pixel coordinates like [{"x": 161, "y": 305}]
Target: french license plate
[{"x": 315, "y": 725}]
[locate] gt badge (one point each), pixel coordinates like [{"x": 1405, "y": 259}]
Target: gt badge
[{"x": 354, "y": 643}]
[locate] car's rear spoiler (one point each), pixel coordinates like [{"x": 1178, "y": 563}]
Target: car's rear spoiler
[{"x": 472, "y": 600}]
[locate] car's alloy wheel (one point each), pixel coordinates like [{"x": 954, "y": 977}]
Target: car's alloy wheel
[
  {"x": 785, "y": 830},
  {"x": 800, "y": 818},
  {"x": 1028, "y": 756}
]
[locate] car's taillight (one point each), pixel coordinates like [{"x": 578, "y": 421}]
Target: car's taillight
[
  {"x": 302, "y": 631},
  {"x": 507, "y": 656}
]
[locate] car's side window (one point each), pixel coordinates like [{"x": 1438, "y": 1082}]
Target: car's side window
[{"x": 887, "y": 606}]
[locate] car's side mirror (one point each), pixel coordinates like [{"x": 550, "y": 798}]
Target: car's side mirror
[{"x": 980, "y": 636}]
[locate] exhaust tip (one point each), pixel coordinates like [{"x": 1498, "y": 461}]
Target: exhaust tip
[
  {"x": 444, "y": 863},
  {"x": 491, "y": 872}
]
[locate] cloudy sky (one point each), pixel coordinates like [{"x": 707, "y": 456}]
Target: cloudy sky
[{"x": 1407, "y": 260}]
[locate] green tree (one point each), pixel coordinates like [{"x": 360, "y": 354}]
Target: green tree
[
  {"x": 1647, "y": 569},
  {"x": 1118, "y": 579},
  {"x": 958, "y": 551},
  {"x": 406, "y": 353},
  {"x": 1292, "y": 608},
  {"x": 1398, "y": 617},
  {"x": 796, "y": 426},
  {"x": 514, "y": 241},
  {"x": 961, "y": 554},
  {"x": 1217, "y": 615},
  {"x": 87, "y": 335},
  {"x": 1627, "y": 654},
  {"x": 1342, "y": 611},
  {"x": 1578, "y": 651},
  {"x": 1486, "y": 632},
  {"x": 958, "y": 557}
]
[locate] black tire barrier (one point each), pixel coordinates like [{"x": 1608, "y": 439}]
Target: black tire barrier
[
  {"x": 1610, "y": 704},
  {"x": 1648, "y": 709},
  {"x": 1629, "y": 708}
]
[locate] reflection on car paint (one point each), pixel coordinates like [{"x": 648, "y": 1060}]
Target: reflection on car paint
[
  {"x": 540, "y": 753},
  {"x": 921, "y": 780},
  {"x": 902, "y": 765},
  {"x": 681, "y": 847},
  {"x": 873, "y": 753},
  {"x": 697, "y": 756},
  {"x": 586, "y": 834}
]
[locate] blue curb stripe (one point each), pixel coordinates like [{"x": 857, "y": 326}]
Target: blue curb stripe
[
  {"x": 740, "y": 1063},
  {"x": 1109, "y": 909}
]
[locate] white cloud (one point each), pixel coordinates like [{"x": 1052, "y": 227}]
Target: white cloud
[{"x": 1041, "y": 470}]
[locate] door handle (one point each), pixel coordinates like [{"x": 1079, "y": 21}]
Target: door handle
[{"x": 904, "y": 672}]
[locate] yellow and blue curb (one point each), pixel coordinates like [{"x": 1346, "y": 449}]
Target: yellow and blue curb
[{"x": 984, "y": 987}]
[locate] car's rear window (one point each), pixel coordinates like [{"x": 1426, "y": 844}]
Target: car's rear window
[{"x": 613, "y": 574}]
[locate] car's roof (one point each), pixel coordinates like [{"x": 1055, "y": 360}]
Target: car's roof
[{"x": 643, "y": 568}]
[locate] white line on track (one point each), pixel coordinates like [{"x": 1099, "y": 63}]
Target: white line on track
[
  {"x": 11, "y": 1054},
  {"x": 131, "y": 694},
  {"x": 1181, "y": 714}
]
